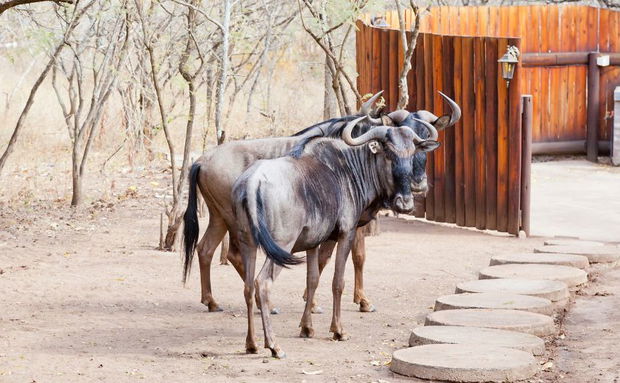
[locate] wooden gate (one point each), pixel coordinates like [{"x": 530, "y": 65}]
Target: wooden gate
[{"x": 475, "y": 176}]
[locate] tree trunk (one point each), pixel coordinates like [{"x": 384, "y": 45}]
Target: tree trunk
[
  {"x": 221, "y": 88},
  {"x": 29, "y": 102},
  {"x": 76, "y": 177},
  {"x": 329, "y": 98}
]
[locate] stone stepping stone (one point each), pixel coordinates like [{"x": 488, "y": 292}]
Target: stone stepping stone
[
  {"x": 571, "y": 242},
  {"x": 494, "y": 301},
  {"x": 512, "y": 320},
  {"x": 574, "y": 260},
  {"x": 464, "y": 363},
  {"x": 556, "y": 291},
  {"x": 595, "y": 254},
  {"x": 476, "y": 336},
  {"x": 572, "y": 276}
]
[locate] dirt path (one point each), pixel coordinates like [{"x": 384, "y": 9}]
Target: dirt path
[
  {"x": 589, "y": 352},
  {"x": 87, "y": 298}
]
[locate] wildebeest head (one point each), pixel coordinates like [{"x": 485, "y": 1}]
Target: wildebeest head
[
  {"x": 397, "y": 146},
  {"x": 419, "y": 183}
]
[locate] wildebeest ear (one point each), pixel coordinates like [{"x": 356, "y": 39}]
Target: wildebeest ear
[
  {"x": 442, "y": 122},
  {"x": 375, "y": 147},
  {"x": 427, "y": 146}
]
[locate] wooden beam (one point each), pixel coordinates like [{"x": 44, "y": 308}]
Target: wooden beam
[
  {"x": 526, "y": 162},
  {"x": 594, "y": 78},
  {"x": 566, "y": 147},
  {"x": 554, "y": 59}
]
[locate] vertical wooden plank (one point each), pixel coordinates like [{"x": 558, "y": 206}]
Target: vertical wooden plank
[
  {"x": 555, "y": 37},
  {"x": 428, "y": 104},
  {"x": 604, "y": 30},
  {"x": 438, "y": 154},
  {"x": 394, "y": 61},
  {"x": 479, "y": 132},
  {"x": 468, "y": 105},
  {"x": 592, "y": 29},
  {"x": 492, "y": 21},
  {"x": 514, "y": 149},
  {"x": 458, "y": 134},
  {"x": 376, "y": 60},
  {"x": 483, "y": 21},
  {"x": 545, "y": 79},
  {"x": 358, "y": 56},
  {"x": 613, "y": 30},
  {"x": 581, "y": 32},
  {"x": 420, "y": 202},
  {"x": 491, "y": 103},
  {"x": 385, "y": 70},
  {"x": 449, "y": 137},
  {"x": 502, "y": 145}
]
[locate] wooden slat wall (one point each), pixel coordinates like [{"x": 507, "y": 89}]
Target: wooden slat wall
[
  {"x": 475, "y": 175},
  {"x": 559, "y": 93}
]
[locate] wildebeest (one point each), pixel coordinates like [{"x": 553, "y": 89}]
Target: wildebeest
[
  {"x": 292, "y": 204},
  {"x": 215, "y": 172}
]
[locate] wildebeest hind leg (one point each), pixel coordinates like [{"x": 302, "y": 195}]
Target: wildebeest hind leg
[
  {"x": 312, "y": 281},
  {"x": 249, "y": 262},
  {"x": 264, "y": 281},
  {"x": 206, "y": 247},
  {"x": 358, "y": 253}
]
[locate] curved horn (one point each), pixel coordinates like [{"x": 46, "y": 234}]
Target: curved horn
[
  {"x": 367, "y": 106},
  {"x": 398, "y": 116},
  {"x": 373, "y": 134},
  {"x": 431, "y": 129},
  {"x": 456, "y": 111}
]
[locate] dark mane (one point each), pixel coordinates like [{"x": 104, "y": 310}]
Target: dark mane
[
  {"x": 334, "y": 129},
  {"x": 323, "y": 131}
]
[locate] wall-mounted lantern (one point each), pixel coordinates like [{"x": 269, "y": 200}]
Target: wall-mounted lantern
[{"x": 509, "y": 62}]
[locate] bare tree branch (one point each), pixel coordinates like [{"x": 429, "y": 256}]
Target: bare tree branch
[{"x": 15, "y": 3}]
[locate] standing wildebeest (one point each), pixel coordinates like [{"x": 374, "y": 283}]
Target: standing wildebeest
[
  {"x": 215, "y": 172},
  {"x": 291, "y": 204}
]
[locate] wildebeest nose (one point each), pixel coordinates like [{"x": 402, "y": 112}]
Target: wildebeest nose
[{"x": 403, "y": 204}]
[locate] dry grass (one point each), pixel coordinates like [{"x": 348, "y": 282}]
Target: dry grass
[{"x": 40, "y": 165}]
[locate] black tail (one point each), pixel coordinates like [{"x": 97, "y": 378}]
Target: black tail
[
  {"x": 262, "y": 236},
  {"x": 190, "y": 220}
]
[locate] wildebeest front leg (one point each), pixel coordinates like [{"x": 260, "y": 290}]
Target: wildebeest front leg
[
  {"x": 264, "y": 281},
  {"x": 324, "y": 253},
  {"x": 206, "y": 247},
  {"x": 312, "y": 281},
  {"x": 342, "y": 252},
  {"x": 358, "y": 253}
]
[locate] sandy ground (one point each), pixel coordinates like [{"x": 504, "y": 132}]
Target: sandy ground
[
  {"x": 576, "y": 198},
  {"x": 589, "y": 352},
  {"x": 85, "y": 297}
]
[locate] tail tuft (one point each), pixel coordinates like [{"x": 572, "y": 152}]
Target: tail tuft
[{"x": 191, "y": 228}]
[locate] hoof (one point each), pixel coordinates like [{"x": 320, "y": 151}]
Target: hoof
[
  {"x": 341, "y": 337},
  {"x": 213, "y": 307},
  {"x": 367, "y": 308},
  {"x": 251, "y": 349},
  {"x": 317, "y": 310},
  {"x": 306, "y": 332},
  {"x": 275, "y": 311},
  {"x": 278, "y": 354}
]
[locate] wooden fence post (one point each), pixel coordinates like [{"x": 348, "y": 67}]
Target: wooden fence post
[
  {"x": 593, "y": 107},
  {"x": 526, "y": 162}
]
